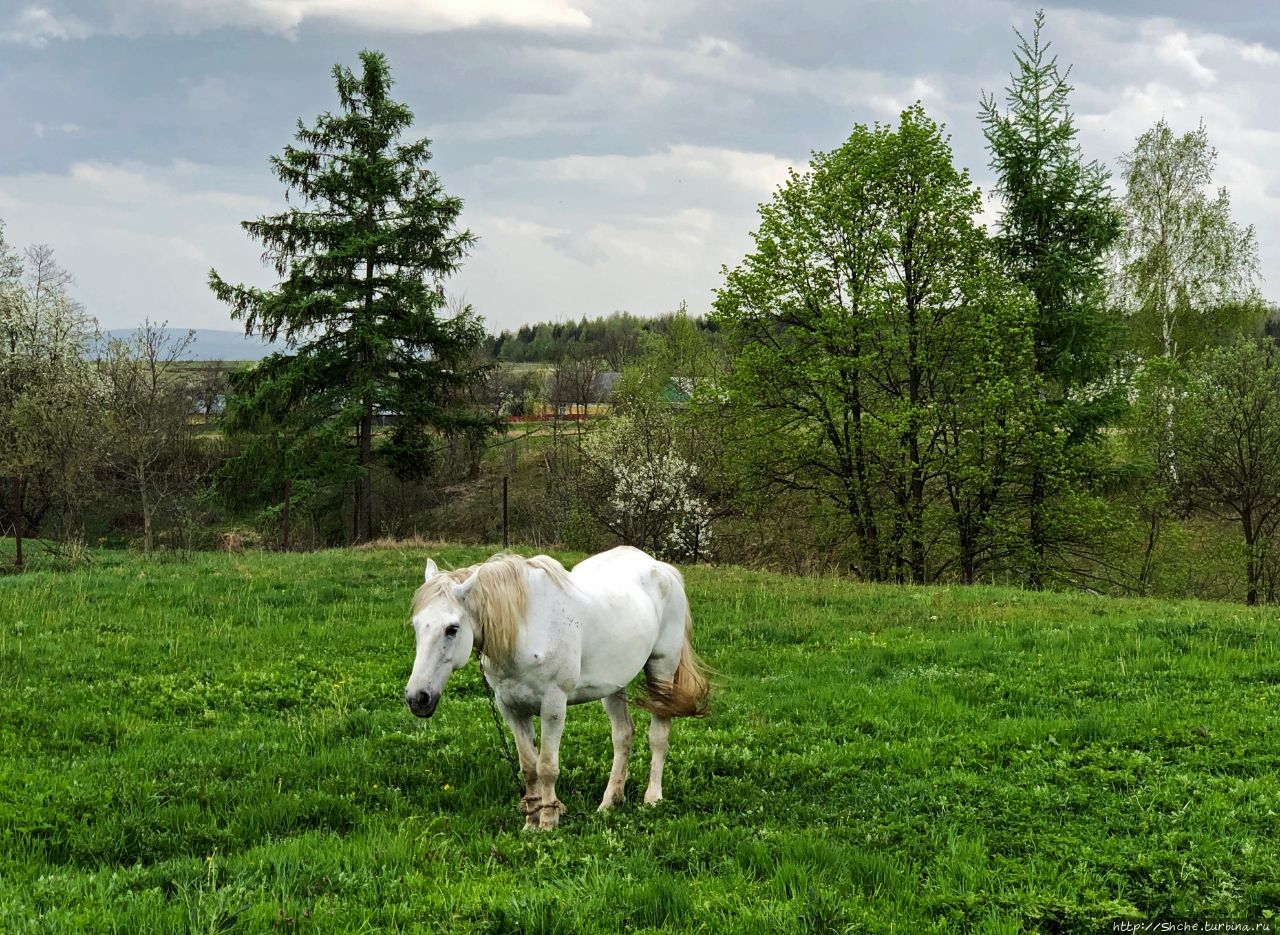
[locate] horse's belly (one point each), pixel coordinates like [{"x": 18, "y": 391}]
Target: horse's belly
[
  {"x": 594, "y": 690},
  {"x": 604, "y": 673},
  {"x": 528, "y": 699}
]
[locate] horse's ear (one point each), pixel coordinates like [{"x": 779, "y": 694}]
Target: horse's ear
[
  {"x": 431, "y": 570},
  {"x": 463, "y": 588}
]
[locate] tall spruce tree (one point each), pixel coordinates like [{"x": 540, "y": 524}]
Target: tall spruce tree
[
  {"x": 1058, "y": 223},
  {"x": 361, "y": 303}
]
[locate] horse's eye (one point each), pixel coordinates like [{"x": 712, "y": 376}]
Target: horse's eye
[{"x": 451, "y": 630}]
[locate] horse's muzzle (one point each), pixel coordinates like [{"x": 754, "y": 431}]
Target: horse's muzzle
[{"x": 423, "y": 704}]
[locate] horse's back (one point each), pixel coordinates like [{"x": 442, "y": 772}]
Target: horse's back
[
  {"x": 625, "y": 559},
  {"x": 628, "y": 567},
  {"x": 633, "y": 584}
]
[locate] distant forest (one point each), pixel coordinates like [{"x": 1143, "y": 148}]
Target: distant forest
[
  {"x": 614, "y": 339},
  {"x": 621, "y": 337}
]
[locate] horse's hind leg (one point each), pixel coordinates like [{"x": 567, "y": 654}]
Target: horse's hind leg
[
  {"x": 659, "y": 735},
  {"x": 660, "y": 674},
  {"x": 620, "y": 721}
]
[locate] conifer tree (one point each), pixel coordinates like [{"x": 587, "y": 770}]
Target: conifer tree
[
  {"x": 362, "y": 255},
  {"x": 1058, "y": 223}
]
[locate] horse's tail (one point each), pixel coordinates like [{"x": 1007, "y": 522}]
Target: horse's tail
[{"x": 685, "y": 695}]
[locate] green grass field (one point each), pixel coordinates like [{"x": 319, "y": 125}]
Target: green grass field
[{"x": 220, "y": 745}]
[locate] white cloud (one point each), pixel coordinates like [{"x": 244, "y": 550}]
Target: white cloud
[
  {"x": 400, "y": 15},
  {"x": 608, "y": 232},
  {"x": 754, "y": 172},
  {"x": 36, "y": 25},
  {"x": 41, "y": 129},
  {"x": 523, "y": 272},
  {"x": 1157, "y": 69},
  {"x": 713, "y": 80},
  {"x": 140, "y": 239},
  {"x": 1177, "y": 49}
]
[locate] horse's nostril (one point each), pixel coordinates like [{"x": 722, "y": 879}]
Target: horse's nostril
[{"x": 422, "y": 703}]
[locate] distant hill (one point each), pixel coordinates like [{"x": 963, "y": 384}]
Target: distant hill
[{"x": 210, "y": 344}]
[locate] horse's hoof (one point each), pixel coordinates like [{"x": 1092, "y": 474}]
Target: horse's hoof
[{"x": 548, "y": 815}]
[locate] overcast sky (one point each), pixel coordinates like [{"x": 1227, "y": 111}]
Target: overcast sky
[{"x": 610, "y": 155}]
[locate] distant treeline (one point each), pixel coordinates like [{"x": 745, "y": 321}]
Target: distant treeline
[{"x": 614, "y": 339}]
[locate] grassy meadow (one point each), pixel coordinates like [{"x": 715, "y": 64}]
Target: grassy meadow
[{"x": 219, "y": 745}]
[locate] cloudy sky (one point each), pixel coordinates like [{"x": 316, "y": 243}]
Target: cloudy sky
[{"x": 610, "y": 155}]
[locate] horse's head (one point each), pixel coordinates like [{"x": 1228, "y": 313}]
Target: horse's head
[{"x": 444, "y": 633}]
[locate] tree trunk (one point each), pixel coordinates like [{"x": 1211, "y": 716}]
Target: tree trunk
[
  {"x": 288, "y": 496},
  {"x": 968, "y": 550},
  {"x": 1149, "y": 549},
  {"x": 862, "y": 507},
  {"x": 916, "y": 510},
  {"x": 1253, "y": 565},
  {"x": 364, "y": 480},
  {"x": 1039, "y": 537},
  {"x": 363, "y": 531},
  {"x": 17, "y": 522},
  {"x": 915, "y": 389},
  {"x": 147, "y": 509}
]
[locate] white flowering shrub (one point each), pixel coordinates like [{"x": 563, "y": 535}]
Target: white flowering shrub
[{"x": 644, "y": 491}]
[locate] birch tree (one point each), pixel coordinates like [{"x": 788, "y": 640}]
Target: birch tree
[
  {"x": 1186, "y": 280},
  {"x": 1188, "y": 272}
]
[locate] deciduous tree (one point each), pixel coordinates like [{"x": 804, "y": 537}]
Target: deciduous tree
[
  {"x": 856, "y": 314},
  {"x": 1188, "y": 272},
  {"x": 1228, "y": 441},
  {"x": 49, "y": 438},
  {"x": 1185, "y": 280},
  {"x": 148, "y": 408}
]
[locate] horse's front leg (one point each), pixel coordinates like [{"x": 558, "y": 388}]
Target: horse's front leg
[
  {"x": 552, "y": 714},
  {"x": 521, "y": 726}
]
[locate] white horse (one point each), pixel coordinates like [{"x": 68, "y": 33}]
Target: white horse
[{"x": 549, "y": 638}]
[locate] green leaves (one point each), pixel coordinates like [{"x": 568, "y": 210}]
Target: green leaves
[
  {"x": 874, "y": 322},
  {"x": 1226, "y": 433},
  {"x": 1187, "y": 276}
]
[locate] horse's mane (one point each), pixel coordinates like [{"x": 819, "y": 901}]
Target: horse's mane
[{"x": 498, "y": 600}]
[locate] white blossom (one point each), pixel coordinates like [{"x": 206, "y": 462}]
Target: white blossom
[{"x": 651, "y": 503}]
